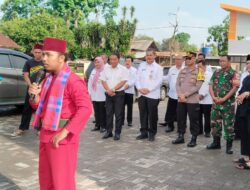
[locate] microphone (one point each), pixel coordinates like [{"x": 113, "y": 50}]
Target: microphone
[{"x": 39, "y": 78}]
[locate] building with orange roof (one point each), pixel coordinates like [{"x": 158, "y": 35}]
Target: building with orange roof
[{"x": 238, "y": 34}]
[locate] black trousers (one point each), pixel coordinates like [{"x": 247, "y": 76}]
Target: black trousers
[
  {"x": 129, "y": 100},
  {"x": 171, "y": 113},
  {"x": 205, "y": 110},
  {"x": 193, "y": 111},
  {"x": 237, "y": 130},
  {"x": 115, "y": 106},
  {"x": 26, "y": 114},
  {"x": 245, "y": 134},
  {"x": 148, "y": 109},
  {"x": 100, "y": 114}
]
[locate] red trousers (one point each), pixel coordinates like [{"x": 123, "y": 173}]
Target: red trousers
[{"x": 57, "y": 166}]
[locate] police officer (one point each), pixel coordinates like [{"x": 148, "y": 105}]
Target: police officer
[
  {"x": 188, "y": 84},
  {"x": 223, "y": 92}
]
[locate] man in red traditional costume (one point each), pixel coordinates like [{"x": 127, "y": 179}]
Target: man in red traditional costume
[{"x": 63, "y": 109}]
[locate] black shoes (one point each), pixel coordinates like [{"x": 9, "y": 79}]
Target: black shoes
[
  {"x": 163, "y": 124},
  {"x": 179, "y": 140},
  {"x": 169, "y": 129},
  {"x": 107, "y": 135},
  {"x": 192, "y": 143},
  {"x": 142, "y": 136},
  {"x": 96, "y": 128},
  {"x": 102, "y": 130},
  {"x": 145, "y": 136},
  {"x": 229, "y": 147},
  {"x": 130, "y": 124},
  {"x": 215, "y": 144},
  {"x": 117, "y": 137},
  {"x": 151, "y": 138}
]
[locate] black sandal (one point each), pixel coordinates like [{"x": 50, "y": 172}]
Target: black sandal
[
  {"x": 240, "y": 161},
  {"x": 243, "y": 166}
]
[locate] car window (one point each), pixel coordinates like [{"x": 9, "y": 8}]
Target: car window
[
  {"x": 19, "y": 62},
  {"x": 4, "y": 61}
]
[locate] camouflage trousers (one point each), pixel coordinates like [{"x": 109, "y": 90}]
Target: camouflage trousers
[{"x": 223, "y": 115}]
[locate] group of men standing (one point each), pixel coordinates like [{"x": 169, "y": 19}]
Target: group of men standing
[
  {"x": 197, "y": 91},
  {"x": 194, "y": 91},
  {"x": 63, "y": 106},
  {"x": 117, "y": 83}
]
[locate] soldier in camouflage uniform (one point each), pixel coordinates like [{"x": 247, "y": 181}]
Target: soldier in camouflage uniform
[{"x": 223, "y": 92}]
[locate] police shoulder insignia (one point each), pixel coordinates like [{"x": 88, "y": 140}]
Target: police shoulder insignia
[{"x": 200, "y": 76}]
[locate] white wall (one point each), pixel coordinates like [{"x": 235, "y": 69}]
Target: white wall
[
  {"x": 239, "y": 47},
  {"x": 243, "y": 25}
]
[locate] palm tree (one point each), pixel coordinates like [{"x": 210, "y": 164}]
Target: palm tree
[{"x": 132, "y": 11}]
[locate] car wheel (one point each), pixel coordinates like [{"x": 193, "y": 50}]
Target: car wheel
[{"x": 163, "y": 93}]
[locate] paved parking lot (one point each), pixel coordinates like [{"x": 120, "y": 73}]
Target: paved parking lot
[{"x": 126, "y": 164}]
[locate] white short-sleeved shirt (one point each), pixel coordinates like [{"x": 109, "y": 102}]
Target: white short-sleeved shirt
[{"x": 113, "y": 76}]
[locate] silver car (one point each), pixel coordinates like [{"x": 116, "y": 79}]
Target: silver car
[{"x": 12, "y": 85}]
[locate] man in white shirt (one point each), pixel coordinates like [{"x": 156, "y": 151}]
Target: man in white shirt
[
  {"x": 129, "y": 90},
  {"x": 206, "y": 100},
  {"x": 148, "y": 83},
  {"x": 171, "y": 113},
  {"x": 113, "y": 79}
]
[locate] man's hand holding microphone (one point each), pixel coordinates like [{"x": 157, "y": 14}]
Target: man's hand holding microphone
[{"x": 36, "y": 87}]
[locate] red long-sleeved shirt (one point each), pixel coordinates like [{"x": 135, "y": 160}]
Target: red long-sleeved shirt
[{"x": 76, "y": 107}]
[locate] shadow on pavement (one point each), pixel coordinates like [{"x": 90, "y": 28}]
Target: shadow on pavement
[{"x": 6, "y": 183}]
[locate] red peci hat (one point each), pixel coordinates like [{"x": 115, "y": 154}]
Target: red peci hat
[
  {"x": 53, "y": 44},
  {"x": 38, "y": 46}
]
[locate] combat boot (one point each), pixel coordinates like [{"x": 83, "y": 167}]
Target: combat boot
[
  {"x": 192, "y": 143},
  {"x": 229, "y": 147},
  {"x": 215, "y": 144},
  {"x": 179, "y": 140}
]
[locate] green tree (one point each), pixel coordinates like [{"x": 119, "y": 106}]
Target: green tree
[
  {"x": 219, "y": 35},
  {"x": 106, "y": 8},
  {"x": 183, "y": 38},
  {"x": 27, "y": 32},
  {"x": 19, "y": 8},
  {"x": 95, "y": 38},
  {"x": 181, "y": 43},
  {"x": 165, "y": 45}
]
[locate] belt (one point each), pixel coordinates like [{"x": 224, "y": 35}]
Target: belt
[{"x": 62, "y": 123}]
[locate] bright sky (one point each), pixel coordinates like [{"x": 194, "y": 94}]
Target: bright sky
[{"x": 192, "y": 13}]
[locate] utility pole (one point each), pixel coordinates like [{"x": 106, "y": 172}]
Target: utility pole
[{"x": 172, "y": 39}]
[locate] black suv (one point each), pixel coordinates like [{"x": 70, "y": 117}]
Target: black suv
[{"x": 12, "y": 85}]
